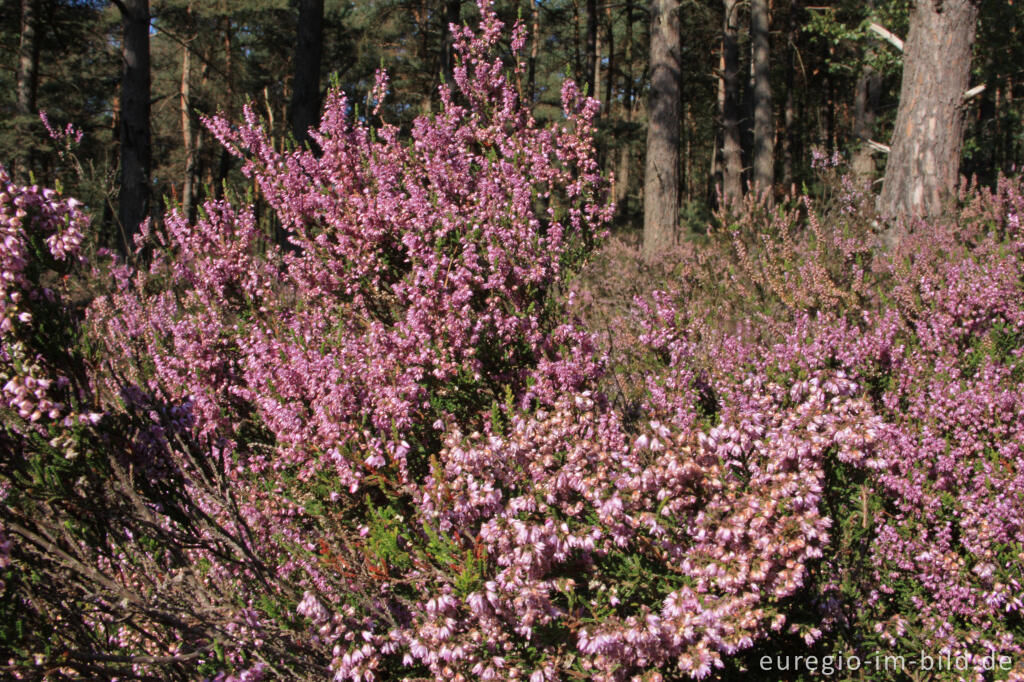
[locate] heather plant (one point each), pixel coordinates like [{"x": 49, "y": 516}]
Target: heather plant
[
  {"x": 388, "y": 448},
  {"x": 108, "y": 538},
  {"x": 923, "y": 554},
  {"x": 412, "y": 290}
]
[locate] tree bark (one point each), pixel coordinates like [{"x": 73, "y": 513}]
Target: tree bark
[
  {"x": 732, "y": 149},
  {"x": 622, "y": 176},
  {"x": 452, "y": 15},
  {"x": 187, "y": 133},
  {"x": 135, "y": 103},
  {"x": 789, "y": 134},
  {"x": 224, "y": 163},
  {"x": 866, "y": 100},
  {"x": 27, "y": 77},
  {"x": 308, "y": 52},
  {"x": 924, "y": 162},
  {"x": 592, "y": 75},
  {"x": 764, "y": 148},
  {"x": 610, "y": 81},
  {"x": 865, "y": 110},
  {"x": 531, "y": 77},
  {"x": 661, "y": 173}
]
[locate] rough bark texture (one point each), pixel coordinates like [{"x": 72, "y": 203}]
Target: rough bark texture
[
  {"x": 924, "y": 163},
  {"x": 308, "y": 52},
  {"x": 27, "y": 77},
  {"x": 764, "y": 146},
  {"x": 661, "y": 173},
  {"x": 732, "y": 149},
  {"x": 134, "y": 133}
]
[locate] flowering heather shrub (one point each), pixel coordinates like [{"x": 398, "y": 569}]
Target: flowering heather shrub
[
  {"x": 41, "y": 235},
  {"x": 925, "y": 539},
  {"x": 413, "y": 288},
  {"x": 385, "y": 450}
]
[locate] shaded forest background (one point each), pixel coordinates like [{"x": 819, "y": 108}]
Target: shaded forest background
[{"x": 832, "y": 84}]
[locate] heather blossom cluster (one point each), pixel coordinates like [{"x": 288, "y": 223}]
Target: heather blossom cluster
[{"x": 40, "y": 233}]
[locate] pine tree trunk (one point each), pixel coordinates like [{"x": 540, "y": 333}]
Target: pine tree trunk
[
  {"x": 764, "y": 149},
  {"x": 135, "y": 135},
  {"x": 732, "y": 150},
  {"x": 924, "y": 163},
  {"x": 789, "y": 134},
  {"x": 610, "y": 81},
  {"x": 308, "y": 52},
  {"x": 592, "y": 63},
  {"x": 866, "y": 100},
  {"x": 187, "y": 133},
  {"x": 452, "y": 15},
  {"x": 865, "y": 109},
  {"x": 27, "y": 77},
  {"x": 661, "y": 173},
  {"x": 622, "y": 176},
  {"x": 224, "y": 163},
  {"x": 531, "y": 77}
]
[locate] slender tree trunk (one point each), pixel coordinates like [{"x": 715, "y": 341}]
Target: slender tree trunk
[
  {"x": 865, "y": 110},
  {"x": 661, "y": 174},
  {"x": 866, "y": 100},
  {"x": 579, "y": 74},
  {"x": 610, "y": 81},
  {"x": 27, "y": 77},
  {"x": 531, "y": 76},
  {"x": 308, "y": 52},
  {"x": 622, "y": 177},
  {"x": 789, "y": 113},
  {"x": 187, "y": 133},
  {"x": 135, "y": 135},
  {"x": 592, "y": 74},
  {"x": 732, "y": 150},
  {"x": 26, "y": 82},
  {"x": 764, "y": 162},
  {"x": 830, "y": 111},
  {"x": 224, "y": 165},
  {"x": 452, "y": 15},
  {"x": 924, "y": 164}
]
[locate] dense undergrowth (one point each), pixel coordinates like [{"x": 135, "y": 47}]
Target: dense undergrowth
[{"x": 436, "y": 435}]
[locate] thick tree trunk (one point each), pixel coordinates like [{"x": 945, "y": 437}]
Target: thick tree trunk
[
  {"x": 27, "y": 77},
  {"x": 308, "y": 52},
  {"x": 924, "y": 164},
  {"x": 135, "y": 135},
  {"x": 764, "y": 147},
  {"x": 732, "y": 150},
  {"x": 661, "y": 174}
]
